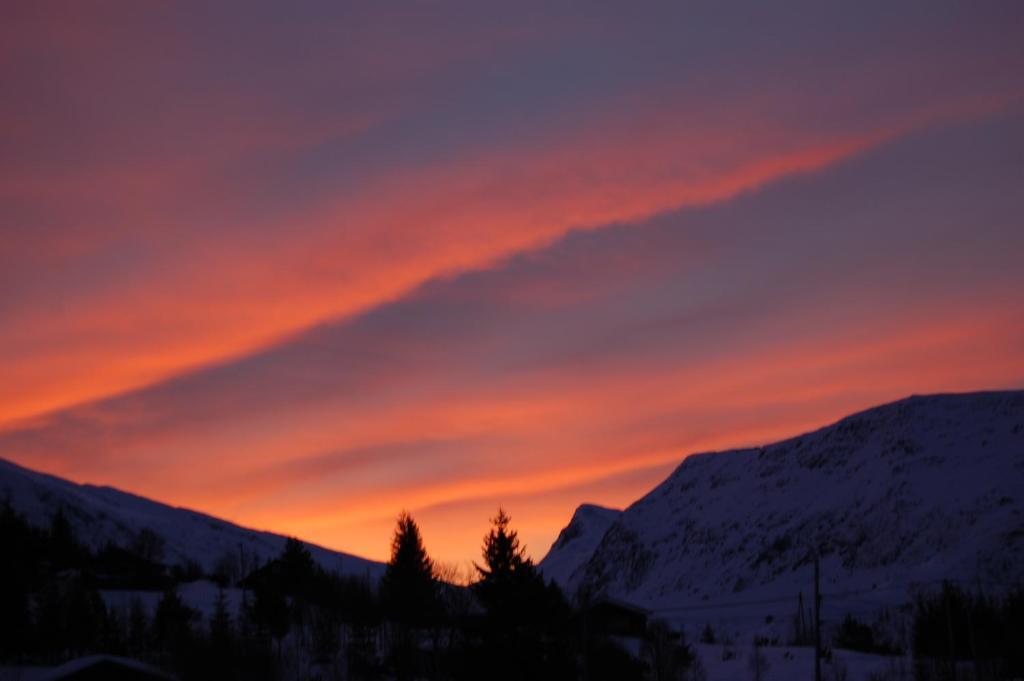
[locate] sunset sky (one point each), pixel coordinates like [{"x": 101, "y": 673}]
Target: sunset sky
[{"x": 305, "y": 265}]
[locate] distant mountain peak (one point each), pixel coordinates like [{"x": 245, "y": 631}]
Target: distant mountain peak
[
  {"x": 577, "y": 540},
  {"x": 594, "y": 510}
]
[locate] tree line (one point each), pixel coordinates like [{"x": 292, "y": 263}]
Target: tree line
[
  {"x": 288, "y": 618},
  {"x": 296, "y": 620}
]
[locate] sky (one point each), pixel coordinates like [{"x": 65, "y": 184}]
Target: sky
[{"x": 305, "y": 265}]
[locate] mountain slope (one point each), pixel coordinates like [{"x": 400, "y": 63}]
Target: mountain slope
[
  {"x": 101, "y": 515},
  {"x": 923, "y": 489},
  {"x": 577, "y": 541}
]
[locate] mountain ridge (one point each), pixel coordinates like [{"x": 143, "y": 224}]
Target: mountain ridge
[
  {"x": 577, "y": 539},
  {"x": 104, "y": 514},
  {"x": 926, "y": 487}
]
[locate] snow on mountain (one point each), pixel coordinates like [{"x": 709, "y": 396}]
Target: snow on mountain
[
  {"x": 102, "y": 515},
  {"x": 576, "y": 543},
  {"x": 919, "y": 490}
]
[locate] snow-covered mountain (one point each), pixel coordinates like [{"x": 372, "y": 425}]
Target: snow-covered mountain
[
  {"x": 923, "y": 489},
  {"x": 576, "y": 543},
  {"x": 102, "y": 515}
]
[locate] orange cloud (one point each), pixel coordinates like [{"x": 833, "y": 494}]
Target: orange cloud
[{"x": 230, "y": 297}]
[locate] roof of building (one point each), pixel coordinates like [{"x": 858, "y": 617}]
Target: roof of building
[{"x": 105, "y": 667}]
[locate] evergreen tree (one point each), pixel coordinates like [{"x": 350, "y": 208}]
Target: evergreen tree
[
  {"x": 220, "y": 623},
  {"x": 409, "y": 596},
  {"x": 408, "y": 588},
  {"x": 527, "y": 622},
  {"x": 297, "y": 563},
  {"x": 63, "y": 548},
  {"x": 220, "y": 649},
  {"x": 506, "y": 571},
  {"x": 503, "y": 554},
  {"x": 148, "y": 545},
  {"x": 19, "y": 560},
  {"x": 270, "y": 611},
  {"x": 70, "y": 617},
  {"x": 138, "y": 627},
  {"x": 86, "y": 614},
  {"x": 172, "y": 622}
]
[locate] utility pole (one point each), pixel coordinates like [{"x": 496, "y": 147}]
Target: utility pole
[
  {"x": 801, "y": 620},
  {"x": 970, "y": 633},
  {"x": 970, "y": 627},
  {"x": 817, "y": 619},
  {"x": 586, "y": 643},
  {"x": 949, "y": 630}
]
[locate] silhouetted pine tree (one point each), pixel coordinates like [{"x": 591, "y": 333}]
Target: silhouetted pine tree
[
  {"x": 297, "y": 563},
  {"x": 255, "y": 657},
  {"x": 64, "y": 551},
  {"x": 527, "y": 622},
  {"x": 408, "y": 589},
  {"x": 270, "y": 611},
  {"x": 408, "y": 595},
  {"x": 506, "y": 571},
  {"x": 172, "y": 622},
  {"x": 221, "y": 632},
  {"x": 954, "y": 626},
  {"x": 137, "y": 627},
  {"x": 18, "y": 569},
  {"x": 219, "y": 651},
  {"x": 148, "y": 545},
  {"x": 70, "y": 617}
]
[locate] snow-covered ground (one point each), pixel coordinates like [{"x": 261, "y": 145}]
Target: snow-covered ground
[
  {"x": 102, "y": 515},
  {"x": 733, "y": 663},
  {"x": 894, "y": 498},
  {"x": 200, "y": 595}
]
